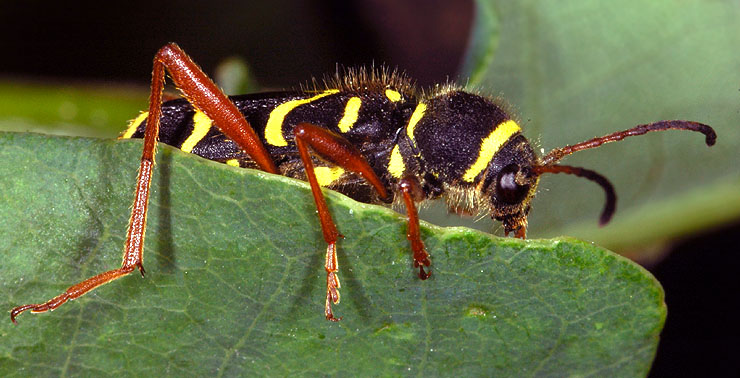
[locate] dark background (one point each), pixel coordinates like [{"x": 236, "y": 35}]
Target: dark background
[
  {"x": 288, "y": 42},
  {"x": 285, "y": 41}
]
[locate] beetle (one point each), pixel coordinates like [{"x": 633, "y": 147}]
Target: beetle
[{"x": 368, "y": 134}]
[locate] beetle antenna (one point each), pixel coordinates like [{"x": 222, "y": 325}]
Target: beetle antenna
[
  {"x": 611, "y": 196},
  {"x": 559, "y": 153}
]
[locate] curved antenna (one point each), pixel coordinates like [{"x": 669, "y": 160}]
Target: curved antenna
[
  {"x": 611, "y": 196},
  {"x": 559, "y": 153}
]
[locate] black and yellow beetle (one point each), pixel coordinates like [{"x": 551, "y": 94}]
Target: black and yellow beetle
[{"x": 367, "y": 134}]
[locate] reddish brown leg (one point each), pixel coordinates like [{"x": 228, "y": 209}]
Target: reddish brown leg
[
  {"x": 410, "y": 190},
  {"x": 339, "y": 151},
  {"x": 203, "y": 94},
  {"x": 521, "y": 233}
]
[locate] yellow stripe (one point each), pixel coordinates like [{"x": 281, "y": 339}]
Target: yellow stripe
[
  {"x": 133, "y": 125},
  {"x": 415, "y": 118},
  {"x": 351, "y": 111},
  {"x": 396, "y": 166},
  {"x": 274, "y": 127},
  {"x": 232, "y": 162},
  {"x": 490, "y": 145},
  {"x": 201, "y": 125},
  {"x": 327, "y": 175},
  {"x": 392, "y": 95}
]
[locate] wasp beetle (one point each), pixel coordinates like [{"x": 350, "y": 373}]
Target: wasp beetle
[{"x": 367, "y": 134}]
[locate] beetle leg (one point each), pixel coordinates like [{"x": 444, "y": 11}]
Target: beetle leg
[
  {"x": 203, "y": 94},
  {"x": 339, "y": 151},
  {"x": 409, "y": 187}
]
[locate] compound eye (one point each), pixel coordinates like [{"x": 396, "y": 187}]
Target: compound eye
[{"x": 508, "y": 190}]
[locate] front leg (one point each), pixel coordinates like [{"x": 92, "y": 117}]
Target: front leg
[{"x": 409, "y": 187}]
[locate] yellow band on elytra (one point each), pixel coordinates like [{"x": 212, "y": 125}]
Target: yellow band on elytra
[
  {"x": 201, "y": 125},
  {"x": 133, "y": 125},
  {"x": 351, "y": 111},
  {"x": 274, "y": 127}
]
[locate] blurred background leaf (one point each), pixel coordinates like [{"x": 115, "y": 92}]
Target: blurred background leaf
[
  {"x": 574, "y": 70},
  {"x": 68, "y": 109}
]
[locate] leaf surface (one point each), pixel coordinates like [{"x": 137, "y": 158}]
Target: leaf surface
[{"x": 236, "y": 284}]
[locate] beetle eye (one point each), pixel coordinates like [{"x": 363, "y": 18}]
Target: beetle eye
[{"x": 508, "y": 190}]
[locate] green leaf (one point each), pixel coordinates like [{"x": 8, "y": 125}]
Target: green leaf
[
  {"x": 81, "y": 110},
  {"x": 483, "y": 43},
  {"x": 572, "y": 70},
  {"x": 236, "y": 284}
]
